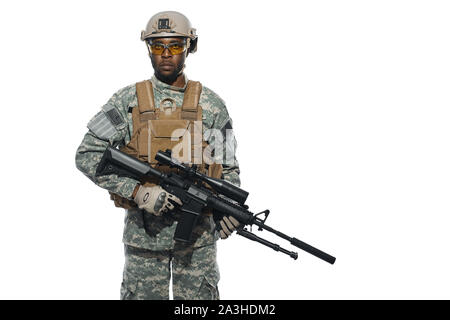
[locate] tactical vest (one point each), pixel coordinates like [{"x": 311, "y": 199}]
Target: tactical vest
[{"x": 154, "y": 129}]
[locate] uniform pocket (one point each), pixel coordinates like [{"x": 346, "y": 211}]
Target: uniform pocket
[
  {"x": 128, "y": 287},
  {"x": 209, "y": 289},
  {"x": 161, "y": 134}
]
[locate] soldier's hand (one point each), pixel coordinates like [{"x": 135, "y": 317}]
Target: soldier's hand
[
  {"x": 227, "y": 226},
  {"x": 155, "y": 200}
]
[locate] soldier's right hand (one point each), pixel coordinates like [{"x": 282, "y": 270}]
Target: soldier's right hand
[{"x": 155, "y": 200}]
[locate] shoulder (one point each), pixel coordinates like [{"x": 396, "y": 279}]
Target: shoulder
[
  {"x": 210, "y": 100},
  {"x": 129, "y": 90},
  {"x": 124, "y": 97},
  {"x": 110, "y": 123},
  {"x": 213, "y": 107}
]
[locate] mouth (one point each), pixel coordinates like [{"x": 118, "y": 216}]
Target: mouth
[{"x": 166, "y": 66}]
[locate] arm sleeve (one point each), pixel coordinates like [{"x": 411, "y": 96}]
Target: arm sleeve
[
  {"x": 230, "y": 164},
  {"x": 108, "y": 127}
]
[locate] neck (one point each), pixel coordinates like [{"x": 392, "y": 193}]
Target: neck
[{"x": 178, "y": 82}]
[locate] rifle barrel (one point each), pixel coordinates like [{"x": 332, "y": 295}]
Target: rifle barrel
[
  {"x": 274, "y": 246},
  {"x": 299, "y": 244}
]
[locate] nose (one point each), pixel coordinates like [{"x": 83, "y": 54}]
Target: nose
[{"x": 166, "y": 53}]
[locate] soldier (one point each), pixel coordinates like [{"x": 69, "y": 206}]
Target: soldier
[{"x": 140, "y": 119}]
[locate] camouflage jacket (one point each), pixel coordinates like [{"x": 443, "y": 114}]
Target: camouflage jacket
[{"x": 144, "y": 230}]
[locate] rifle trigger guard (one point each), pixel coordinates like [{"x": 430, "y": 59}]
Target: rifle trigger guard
[{"x": 266, "y": 214}]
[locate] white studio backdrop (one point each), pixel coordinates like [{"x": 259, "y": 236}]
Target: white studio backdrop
[{"x": 341, "y": 114}]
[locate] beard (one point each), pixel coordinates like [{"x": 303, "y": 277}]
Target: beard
[{"x": 168, "y": 78}]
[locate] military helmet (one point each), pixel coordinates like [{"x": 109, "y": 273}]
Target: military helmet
[{"x": 170, "y": 24}]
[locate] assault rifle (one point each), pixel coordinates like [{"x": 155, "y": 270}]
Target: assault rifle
[{"x": 189, "y": 186}]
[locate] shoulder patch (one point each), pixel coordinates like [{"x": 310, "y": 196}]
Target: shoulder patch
[
  {"x": 227, "y": 126},
  {"x": 101, "y": 126},
  {"x": 114, "y": 116},
  {"x": 106, "y": 123}
]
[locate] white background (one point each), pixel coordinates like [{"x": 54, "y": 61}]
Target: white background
[{"x": 341, "y": 114}]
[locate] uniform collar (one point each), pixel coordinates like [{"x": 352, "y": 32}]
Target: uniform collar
[{"x": 164, "y": 86}]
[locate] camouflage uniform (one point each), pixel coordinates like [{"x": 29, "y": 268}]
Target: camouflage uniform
[{"x": 149, "y": 244}]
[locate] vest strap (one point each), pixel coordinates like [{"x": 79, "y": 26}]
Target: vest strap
[
  {"x": 146, "y": 100},
  {"x": 191, "y": 96}
]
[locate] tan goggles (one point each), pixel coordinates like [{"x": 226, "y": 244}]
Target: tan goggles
[{"x": 174, "y": 48}]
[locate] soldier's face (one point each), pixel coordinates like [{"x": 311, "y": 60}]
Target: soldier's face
[{"x": 168, "y": 66}]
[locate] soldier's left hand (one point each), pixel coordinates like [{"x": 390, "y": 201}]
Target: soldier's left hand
[{"x": 227, "y": 226}]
